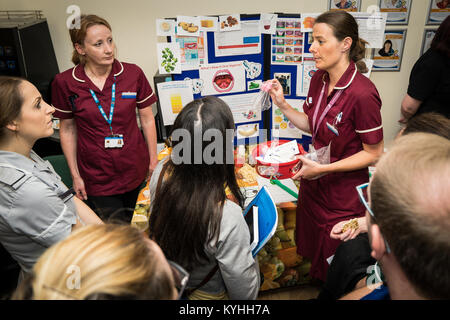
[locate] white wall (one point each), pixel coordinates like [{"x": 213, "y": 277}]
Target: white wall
[{"x": 133, "y": 24}]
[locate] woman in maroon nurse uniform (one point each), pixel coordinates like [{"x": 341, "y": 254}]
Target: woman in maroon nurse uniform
[
  {"x": 342, "y": 112},
  {"x": 96, "y": 101}
]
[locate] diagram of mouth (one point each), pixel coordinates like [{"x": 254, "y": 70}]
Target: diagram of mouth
[{"x": 223, "y": 81}]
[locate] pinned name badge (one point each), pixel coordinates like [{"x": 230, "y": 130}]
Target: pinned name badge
[
  {"x": 310, "y": 100},
  {"x": 114, "y": 141},
  {"x": 333, "y": 129},
  {"x": 128, "y": 95}
]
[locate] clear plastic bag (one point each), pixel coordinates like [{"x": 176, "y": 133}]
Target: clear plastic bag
[
  {"x": 321, "y": 156},
  {"x": 262, "y": 100}
]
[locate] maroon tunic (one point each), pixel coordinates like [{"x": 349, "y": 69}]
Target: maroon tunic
[
  {"x": 106, "y": 171},
  {"x": 332, "y": 198}
]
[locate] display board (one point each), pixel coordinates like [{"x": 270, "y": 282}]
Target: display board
[
  {"x": 227, "y": 64},
  {"x": 291, "y": 63},
  {"x": 230, "y": 56}
]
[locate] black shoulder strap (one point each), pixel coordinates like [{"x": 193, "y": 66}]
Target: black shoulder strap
[{"x": 204, "y": 281}]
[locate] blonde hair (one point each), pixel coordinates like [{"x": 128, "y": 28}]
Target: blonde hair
[
  {"x": 409, "y": 198},
  {"x": 111, "y": 262},
  {"x": 78, "y": 35}
]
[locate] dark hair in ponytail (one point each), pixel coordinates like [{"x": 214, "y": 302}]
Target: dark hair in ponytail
[{"x": 344, "y": 25}]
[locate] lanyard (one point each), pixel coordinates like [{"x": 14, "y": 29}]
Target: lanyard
[
  {"x": 113, "y": 102},
  {"x": 324, "y": 113}
]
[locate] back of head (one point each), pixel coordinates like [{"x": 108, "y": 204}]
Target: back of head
[
  {"x": 344, "y": 25},
  {"x": 78, "y": 35},
  {"x": 409, "y": 198},
  {"x": 187, "y": 210},
  {"x": 441, "y": 40},
  {"x": 98, "y": 262},
  {"x": 430, "y": 122},
  {"x": 10, "y": 101}
]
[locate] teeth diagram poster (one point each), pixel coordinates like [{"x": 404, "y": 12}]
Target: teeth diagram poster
[{"x": 223, "y": 78}]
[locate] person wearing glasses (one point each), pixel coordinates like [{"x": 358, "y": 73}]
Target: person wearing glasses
[
  {"x": 348, "y": 270},
  {"x": 342, "y": 111},
  {"x": 191, "y": 217},
  {"x": 408, "y": 215},
  {"x": 107, "y": 154},
  {"x": 104, "y": 262}
]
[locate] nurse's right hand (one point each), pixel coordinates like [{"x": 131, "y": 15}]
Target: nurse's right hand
[
  {"x": 277, "y": 95},
  {"x": 78, "y": 187}
]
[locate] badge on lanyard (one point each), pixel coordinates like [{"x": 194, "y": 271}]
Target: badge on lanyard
[{"x": 113, "y": 140}]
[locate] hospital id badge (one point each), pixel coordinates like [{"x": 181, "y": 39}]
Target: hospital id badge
[{"x": 114, "y": 141}]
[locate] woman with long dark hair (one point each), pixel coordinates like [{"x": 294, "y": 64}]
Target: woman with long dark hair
[
  {"x": 192, "y": 219},
  {"x": 429, "y": 82}
]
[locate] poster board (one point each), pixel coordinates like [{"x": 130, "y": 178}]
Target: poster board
[{"x": 227, "y": 64}]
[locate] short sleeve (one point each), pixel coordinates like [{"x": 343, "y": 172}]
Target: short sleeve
[
  {"x": 424, "y": 77},
  {"x": 60, "y": 99},
  {"x": 368, "y": 123},
  {"x": 39, "y": 214},
  {"x": 145, "y": 95}
]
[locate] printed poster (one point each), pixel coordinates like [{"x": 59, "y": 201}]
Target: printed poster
[
  {"x": 305, "y": 71},
  {"x": 173, "y": 96},
  {"x": 371, "y": 27},
  {"x": 208, "y": 23},
  {"x": 193, "y": 51},
  {"x": 287, "y": 42},
  {"x": 397, "y": 10},
  {"x": 438, "y": 11},
  {"x": 308, "y": 20},
  {"x": 268, "y": 23},
  {"x": 165, "y": 27},
  {"x": 389, "y": 57},
  {"x": 188, "y": 26},
  {"x": 247, "y": 40},
  {"x": 242, "y": 107},
  {"x": 169, "y": 58},
  {"x": 282, "y": 127},
  {"x": 428, "y": 36},
  {"x": 222, "y": 78},
  {"x": 346, "y": 5}
]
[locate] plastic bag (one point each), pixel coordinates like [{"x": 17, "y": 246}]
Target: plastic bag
[
  {"x": 321, "y": 156},
  {"x": 262, "y": 100}
]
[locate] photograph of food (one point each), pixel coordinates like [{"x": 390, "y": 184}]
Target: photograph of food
[
  {"x": 230, "y": 22},
  {"x": 189, "y": 27}
]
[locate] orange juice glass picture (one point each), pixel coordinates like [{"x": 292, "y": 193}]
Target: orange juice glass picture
[{"x": 175, "y": 101}]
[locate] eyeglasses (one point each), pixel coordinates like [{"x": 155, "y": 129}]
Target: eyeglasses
[
  {"x": 362, "y": 194},
  {"x": 181, "y": 277}
]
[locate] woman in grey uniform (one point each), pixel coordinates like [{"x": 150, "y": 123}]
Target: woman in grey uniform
[{"x": 36, "y": 208}]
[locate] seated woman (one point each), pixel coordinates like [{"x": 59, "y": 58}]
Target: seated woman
[
  {"x": 191, "y": 218},
  {"x": 36, "y": 208},
  {"x": 101, "y": 262}
]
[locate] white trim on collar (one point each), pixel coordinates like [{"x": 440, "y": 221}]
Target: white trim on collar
[
  {"x": 120, "y": 70},
  {"x": 351, "y": 80},
  {"x": 60, "y": 110},
  {"x": 80, "y": 80},
  {"x": 73, "y": 74}
]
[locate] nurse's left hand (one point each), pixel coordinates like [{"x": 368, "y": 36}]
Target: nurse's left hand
[
  {"x": 310, "y": 169},
  {"x": 151, "y": 168}
]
